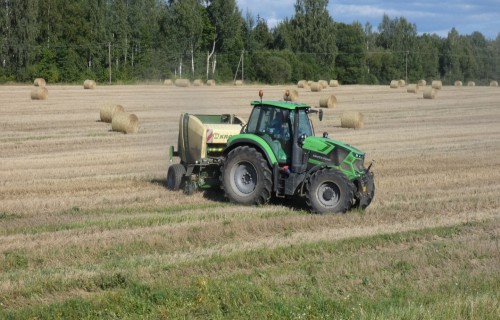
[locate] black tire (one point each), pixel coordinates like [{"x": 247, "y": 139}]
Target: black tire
[
  {"x": 329, "y": 191},
  {"x": 246, "y": 177},
  {"x": 175, "y": 176}
]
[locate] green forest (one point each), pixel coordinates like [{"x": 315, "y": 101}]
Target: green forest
[{"x": 127, "y": 41}]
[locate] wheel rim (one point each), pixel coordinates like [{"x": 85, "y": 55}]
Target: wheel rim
[
  {"x": 243, "y": 178},
  {"x": 329, "y": 194}
]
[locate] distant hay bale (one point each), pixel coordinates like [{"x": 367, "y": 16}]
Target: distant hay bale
[
  {"x": 412, "y": 88},
  {"x": 211, "y": 82},
  {"x": 309, "y": 82},
  {"x": 430, "y": 93},
  {"x": 198, "y": 83},
  {"x": 238, "y": 83},
  {"x": 402, "y": 83},
  {"x": 471, "y": 84},
  {"x": 493, "y": 83},
  {"x": 39, "y": 82},
  {"x": 183, "y": 83},
  {"x": 293, "y": 95},
  {"x": 334, "y": 83},
  {"x": 458, "y": 83},
  {"x": 422, "y": 83},
  {"x": 125, "y": 122},
  {"x": 316, "y": 87},
  {"x": 437, "y": 84},
  {"x": 89, "y": 84},
  {"x": 109, "y": 111},
  {"x": 394, "y": 84},
  {"x": 352, "y": 119},
  {"x": 329, "y": 101},
  {"x": 39, "y": 93},
  {"x": 323, "y": 83},
  {"x": 302, "y": 84},
  {"x": 168, "y": 82}
]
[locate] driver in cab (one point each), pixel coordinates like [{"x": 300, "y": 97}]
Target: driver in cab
[{"x": 279, "y": 126}]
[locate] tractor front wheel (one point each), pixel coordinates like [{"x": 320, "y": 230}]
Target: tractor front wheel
[
  {"x": 175, "y": 175},
  {"x": 246, "y": 177},
  {"x": 329, "y": 191}
]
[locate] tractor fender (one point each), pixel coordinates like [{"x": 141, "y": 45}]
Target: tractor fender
[{"x": 256, "y": 142}]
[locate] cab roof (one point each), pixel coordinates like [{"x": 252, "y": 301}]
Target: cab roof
[{"x": 281, "y": 104}]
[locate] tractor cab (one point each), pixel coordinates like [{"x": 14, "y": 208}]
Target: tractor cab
[{"x": 283, "y": 125}]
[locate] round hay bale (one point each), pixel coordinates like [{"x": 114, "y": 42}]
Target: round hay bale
[
  {"x": 309, "y": 82},
  {"x": 109, "y": 111},
  {"x": 394, "y": 84},
  {"x": 39, "y": 82},
  {"x": 293, "y": 95},
  {"x": 437, "y": 84},
  {"x": 458, "y": 83},
  {"x": 211, "y": 82},
  {"x": 471, "y": 84},
  {"x": 352, "y": 119},
  {"x": 89, "y": 84},
  {"x": 39, "y": 93},
  {"x": 302, "y": 84},
  {"x": 198, "y": 83},
  {"x": 422, "y": 83},
  {"x": 323, "y": 83},
  {"x": 334, "y": 83},
  {"x": 412, "y": 88},
  {"x": 430, "y": 93},
  {"x": 328, "y": 102},
  {"x": 125, "y": 122},
  {"x": 493, "y": 83},
  {"x": 168, "y": 82},
  {"x": 183, "y": 83},
  {"x": 402, "y": 83},
  {"x": 238, "y": 83},
  {"x": 316, "y": 87}
]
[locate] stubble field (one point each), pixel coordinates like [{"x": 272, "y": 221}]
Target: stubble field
[{"x": 88, "y": 229}]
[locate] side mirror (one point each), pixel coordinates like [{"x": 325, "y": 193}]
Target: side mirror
[
  {"x": 325, "y": 135},
  {"x": 320, "y": 114}
]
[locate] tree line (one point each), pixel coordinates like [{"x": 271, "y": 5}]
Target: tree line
[{"x": 150, "y": 40}]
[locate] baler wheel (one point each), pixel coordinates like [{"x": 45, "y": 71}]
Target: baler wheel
[{"x": 175, "y": 176}]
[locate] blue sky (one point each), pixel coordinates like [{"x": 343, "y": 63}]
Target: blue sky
[{"x": 430, "y": 16}]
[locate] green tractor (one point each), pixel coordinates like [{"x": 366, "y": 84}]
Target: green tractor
[{"x": 274, "y": 154}]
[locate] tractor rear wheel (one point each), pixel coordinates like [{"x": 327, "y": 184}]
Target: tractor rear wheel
[
  {"x": 246, "y": 177},
  {"x": 175, "y": 175},
  {"x": 329, "y": 191}
]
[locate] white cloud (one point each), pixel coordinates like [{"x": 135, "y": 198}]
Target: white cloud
[
  {"x": 271, "y": 11},
  {"x": 350, "y": 10}
]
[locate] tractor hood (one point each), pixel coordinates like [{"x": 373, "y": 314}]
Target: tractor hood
[{"x": 324, "y": 150}]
